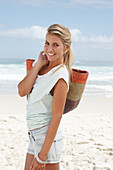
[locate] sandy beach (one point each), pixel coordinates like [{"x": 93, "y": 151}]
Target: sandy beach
[{"x": 87, "y": 131}]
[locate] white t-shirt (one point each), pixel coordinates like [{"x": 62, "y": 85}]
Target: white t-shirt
[{"x": 39, "y": 107}]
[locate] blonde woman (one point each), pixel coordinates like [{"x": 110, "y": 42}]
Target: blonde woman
[{"x": 47, "y": 85}]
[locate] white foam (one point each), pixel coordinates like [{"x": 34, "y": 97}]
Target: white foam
[{"x": 100, "y": 80}]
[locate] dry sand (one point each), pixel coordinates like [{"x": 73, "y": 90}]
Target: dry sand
[{"x": 87, "y": 131}]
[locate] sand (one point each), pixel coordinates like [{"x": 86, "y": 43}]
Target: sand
[{"x": 87, "y": 131}]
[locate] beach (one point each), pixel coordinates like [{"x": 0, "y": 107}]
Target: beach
[{"x": 87, "y": 132}]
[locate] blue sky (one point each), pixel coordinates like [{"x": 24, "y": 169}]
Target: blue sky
[{"x": 23, "y": 26}]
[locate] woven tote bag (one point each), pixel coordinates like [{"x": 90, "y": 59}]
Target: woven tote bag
[
  {"x": 76, "y": 88},
  {"x": 29, "y": 63}
]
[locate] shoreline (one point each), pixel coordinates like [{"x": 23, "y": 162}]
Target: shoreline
[{"x": 87, "y": 132}]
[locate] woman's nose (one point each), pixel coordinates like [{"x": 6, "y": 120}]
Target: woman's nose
[{"x": 50, "y": 48}]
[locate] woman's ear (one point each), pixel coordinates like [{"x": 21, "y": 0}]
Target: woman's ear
[{"x": 66, "y": 49}]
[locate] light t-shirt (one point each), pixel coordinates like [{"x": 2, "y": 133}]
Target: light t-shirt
[{"x": 39, "y": 106}]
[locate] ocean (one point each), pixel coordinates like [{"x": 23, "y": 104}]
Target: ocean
[{"x": 99, "y": 83}]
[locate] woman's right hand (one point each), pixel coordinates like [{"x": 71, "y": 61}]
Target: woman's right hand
[
  {"x": 26, "y": 85},
  {"x": 42, "y": 59}
]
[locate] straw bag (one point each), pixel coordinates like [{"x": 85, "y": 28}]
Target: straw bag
[
  {"x": 29, "y": 63},
  {"x": 76, "y": 89}
]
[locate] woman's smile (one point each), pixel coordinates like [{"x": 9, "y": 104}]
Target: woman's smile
[{"x": 50, "y": 54}]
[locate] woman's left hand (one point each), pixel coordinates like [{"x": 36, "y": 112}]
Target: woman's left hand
[{"x": 37, "y": 166}]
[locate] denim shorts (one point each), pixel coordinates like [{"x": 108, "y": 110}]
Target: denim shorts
[{"x": 36, "y": 140}]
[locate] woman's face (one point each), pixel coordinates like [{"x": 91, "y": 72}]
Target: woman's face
[{"x": 54, "y": 48}]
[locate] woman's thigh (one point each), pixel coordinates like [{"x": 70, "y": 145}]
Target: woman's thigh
[
  {"x": 52, "y": 166},
  {"x": 28, "y": 162},
  {"x": 29, "y": 159}
]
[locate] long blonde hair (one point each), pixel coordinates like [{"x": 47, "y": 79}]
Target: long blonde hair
[{"x": 65, "y": 35}]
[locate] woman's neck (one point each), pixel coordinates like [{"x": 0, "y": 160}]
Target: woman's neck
[{"x": 54, "y": 64}]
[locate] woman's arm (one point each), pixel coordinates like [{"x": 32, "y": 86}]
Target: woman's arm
[
  {"x": 59, "y": 98},
  {"x": 26, "y": 85}
]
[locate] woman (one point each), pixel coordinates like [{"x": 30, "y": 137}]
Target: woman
[{"x": 47, "y": 85}]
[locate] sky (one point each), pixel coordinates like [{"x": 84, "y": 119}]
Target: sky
[{"x": 23, "y": 25}]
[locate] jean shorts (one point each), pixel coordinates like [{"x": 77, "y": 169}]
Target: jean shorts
[{"x": 36, "y": 140}]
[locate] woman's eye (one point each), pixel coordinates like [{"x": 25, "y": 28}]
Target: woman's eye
[
  {"x": 46, "y": 43},
  {"x": 55, "y": 44}
]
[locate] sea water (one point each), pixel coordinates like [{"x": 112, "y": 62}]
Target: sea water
[
  {"x": 99, "y": 83},
  {"x": 100, "y": 80}
]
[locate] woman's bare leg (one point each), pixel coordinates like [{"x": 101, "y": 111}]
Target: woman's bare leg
[
  {"x": 53, "y": 166},
  {"x": 28, "y": 162}
]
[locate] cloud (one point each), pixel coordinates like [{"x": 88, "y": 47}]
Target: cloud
[
  {"x": 94, "y": 3},
  {"x": 78, "y": 37},
  {"x": 37, "y": 32},
  {"x": 92, "y": 41},
  {"x": 31, "y": 2},
  {"x": 102, "y": 39},
  {"x": 68, "y": 3},
  {"x": 38, "y": 2},
  {"x": 34, "y": 32}
]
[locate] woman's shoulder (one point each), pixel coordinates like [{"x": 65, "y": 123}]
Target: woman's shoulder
[
  {"x": 63, "y": 73},
  {"x": 63, "y": 70}
]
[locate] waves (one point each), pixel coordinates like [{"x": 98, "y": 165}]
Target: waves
[
  {"x": 100, "y": 80},
  {"x": 12, "y": 72}
]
